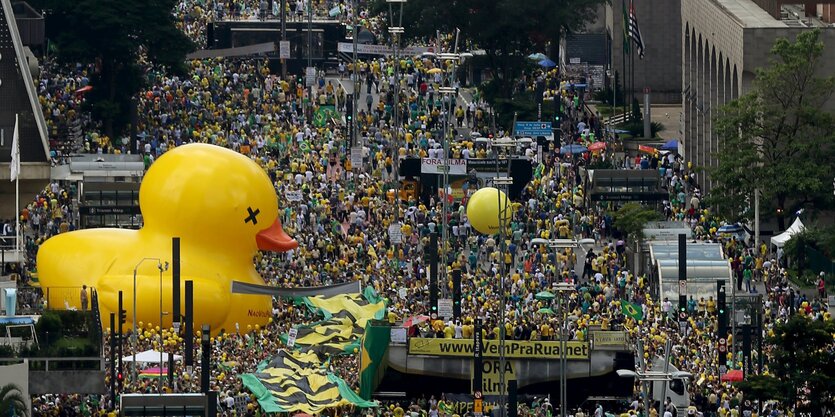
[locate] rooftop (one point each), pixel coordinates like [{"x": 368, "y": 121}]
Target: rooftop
[{"x": 749, "y": 14}]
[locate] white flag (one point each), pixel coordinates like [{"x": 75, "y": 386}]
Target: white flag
[{"x": 15, "y": 164}]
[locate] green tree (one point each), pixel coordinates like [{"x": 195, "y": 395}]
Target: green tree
[
  {"x": 507, "y": 30},
  {"x": 776, "y": 138},
  {"x": 123, "y": 39},
  {"x": 12, "y": 402},
  {"x": 801, "y": 365},
  {"x": 631, "y": 218}
]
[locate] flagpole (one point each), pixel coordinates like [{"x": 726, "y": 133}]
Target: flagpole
[
  {"x": 624, "y": 48},
  {"x": 631, "y": 60},
  {"x": 18, "y": 227}
]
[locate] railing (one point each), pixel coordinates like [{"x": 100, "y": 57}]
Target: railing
[
  {"x": 96, "y": 333},
  {"x": 65, "y": 298},
  {"x": 29, "y": 300},
  {"x": 59, "y": 364}
]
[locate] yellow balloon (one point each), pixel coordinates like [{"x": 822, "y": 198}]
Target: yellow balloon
[
  {"x": 244, "y": 221},
  {"x": 484, "y": 207}
]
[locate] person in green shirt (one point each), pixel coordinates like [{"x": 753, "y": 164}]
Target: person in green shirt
[{"x": 747, "y": 275}]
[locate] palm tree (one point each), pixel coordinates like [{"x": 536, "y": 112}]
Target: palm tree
[{"x": 12, "y": 402}]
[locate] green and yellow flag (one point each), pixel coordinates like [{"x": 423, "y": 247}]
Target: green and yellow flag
[
  {"x": 634, "y": 310},
  {"x": 298, "y": 380},
  {"x": 375, "y": 344},
  {"x": 323, "y": 115}
]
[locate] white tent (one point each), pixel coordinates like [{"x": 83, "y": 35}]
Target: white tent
[
  {"x": 784, "y": 237},
  {"x": 150, "y": 356}
]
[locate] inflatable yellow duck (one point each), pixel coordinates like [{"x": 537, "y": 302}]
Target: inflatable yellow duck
[{"x": 221, "y": 205}]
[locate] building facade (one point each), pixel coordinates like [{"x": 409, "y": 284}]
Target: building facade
[
  {"x": 660, "y": 70},
  {"x": 723, "y": 42}
]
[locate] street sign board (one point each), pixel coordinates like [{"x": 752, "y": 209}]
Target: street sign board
[
  {"x": 533, "y": 129},
  {"x": 445, "y": 308},
  {"x": 356, "y": 157},
  {"x": 348, "y": 48},
  {"x": 310, "y": 76},
  {"x": 284, "y": 49}
]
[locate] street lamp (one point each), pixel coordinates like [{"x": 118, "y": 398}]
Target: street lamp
[
  {"x": 563, "y": 288},
  {"x": 645, "y": 376},
  {"x": 133, "y": 336},
  {"x": 161, "y": 344},
  {"x": 555, "y": 244},
  {"x": 396, "y": 30},
  {"x": 455, "y": 57},
  {"x": 504, "y": 206}
]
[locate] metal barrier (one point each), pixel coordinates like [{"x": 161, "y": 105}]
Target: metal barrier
[
  {"x": 59, "y": 364},
  {"x": 66, "y": 298},
  {"x": 29, "y": 300}
]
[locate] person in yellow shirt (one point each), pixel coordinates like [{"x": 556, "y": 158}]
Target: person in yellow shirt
[{"x": 449, "y": 332}]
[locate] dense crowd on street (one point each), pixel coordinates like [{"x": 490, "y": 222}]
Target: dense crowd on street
[{"x": 343, "y": 218}]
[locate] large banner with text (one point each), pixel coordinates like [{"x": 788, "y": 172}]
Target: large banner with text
[{"x": 546, "y": 350}]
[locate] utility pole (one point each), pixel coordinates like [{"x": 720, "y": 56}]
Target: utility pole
[
  {"x": 283, "y": 35},
  {"x": 396, "y": 31},
  {"x": 355, "y": 77}
]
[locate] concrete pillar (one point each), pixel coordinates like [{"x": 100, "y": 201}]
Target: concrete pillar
[
  {"x": 714, "y": 90},
  {"x": 685, "y": 88},
  {"x": 704, "y": 80},
  {"x": 711, "y": 98},
  {"x": 698, "y": 116}
]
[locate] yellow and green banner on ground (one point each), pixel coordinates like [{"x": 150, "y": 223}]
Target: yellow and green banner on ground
[{"x": 298, "y": 380}]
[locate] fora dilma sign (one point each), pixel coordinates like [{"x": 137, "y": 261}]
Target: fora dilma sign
[{"x": 437, "y": 166}]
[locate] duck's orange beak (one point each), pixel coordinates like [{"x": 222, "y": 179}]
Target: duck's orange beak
[{"x": 274, "y": 239}]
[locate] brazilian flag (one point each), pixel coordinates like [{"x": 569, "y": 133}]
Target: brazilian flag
[
  {"x": 634, "y": 310},
  {"x": 323, "y": 115}
]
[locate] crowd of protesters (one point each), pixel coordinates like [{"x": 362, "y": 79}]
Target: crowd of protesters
[{"x": 342, "y": 220}]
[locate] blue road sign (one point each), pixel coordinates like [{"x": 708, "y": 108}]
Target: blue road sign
[{"x": 534, "y": 129}]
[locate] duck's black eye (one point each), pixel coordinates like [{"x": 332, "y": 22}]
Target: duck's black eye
[{"x": 253, "y": 215}]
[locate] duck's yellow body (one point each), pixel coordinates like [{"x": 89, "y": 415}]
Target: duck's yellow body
[{"x": 223, "y": 208}]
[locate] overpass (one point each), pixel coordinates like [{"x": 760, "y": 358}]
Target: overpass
[{"x": 426, "y": 366}]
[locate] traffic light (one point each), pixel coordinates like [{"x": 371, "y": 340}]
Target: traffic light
[
  {"x": 120, "y": 379},
  {"x": 122, "y": 316},
  {"x": 349, "y": 107},
  {"x": 722, "y": 326},
  {"x": 456, "y": 293}
]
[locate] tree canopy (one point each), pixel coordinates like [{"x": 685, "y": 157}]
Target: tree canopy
[
  {"x": 631, "y": 218},
  {"x": 801, "y": 366},
  {"x": 12, "y": 402},
  {"x": 507, "y": 30},
  {"x": 123, "y": 38},
  {"x": 777, "y": 138}
]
